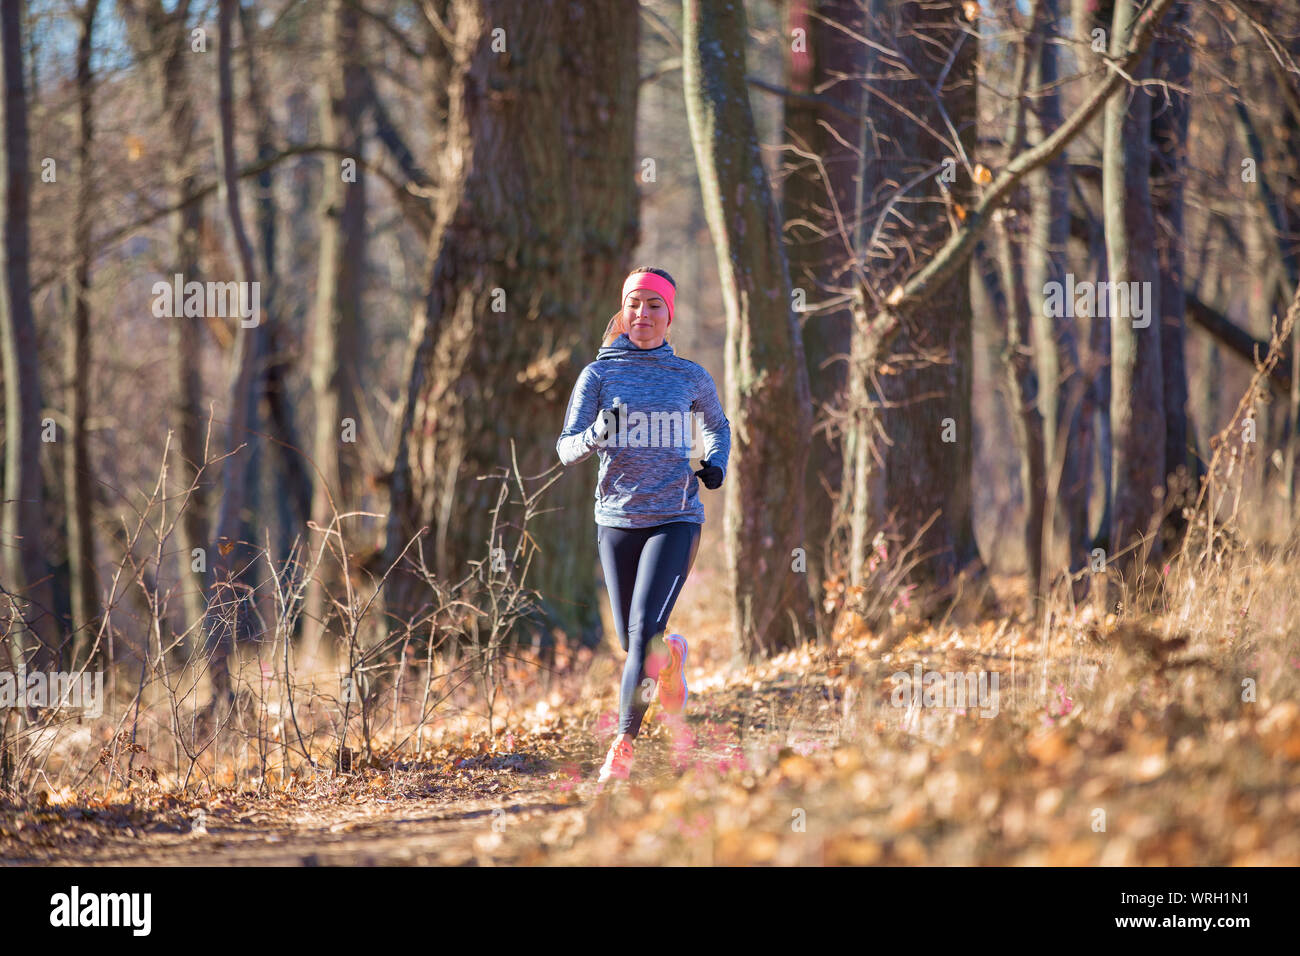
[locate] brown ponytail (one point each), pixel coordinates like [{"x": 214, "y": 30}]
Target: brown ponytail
[
  {"x": 615, "y": 327},
  {"x": 613, "y": 330}
]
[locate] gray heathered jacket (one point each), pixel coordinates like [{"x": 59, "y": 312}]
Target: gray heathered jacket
[{"x": 645, "y": 471}]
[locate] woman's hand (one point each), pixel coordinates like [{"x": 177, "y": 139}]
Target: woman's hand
[
  {"x": 607, "y": 423},
  {"x": 710, "y": 475}
]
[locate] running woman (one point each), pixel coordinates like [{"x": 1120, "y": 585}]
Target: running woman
[{"x": 648, "y": 512}]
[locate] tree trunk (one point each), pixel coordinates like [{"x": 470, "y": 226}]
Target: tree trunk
[
  {"x": 1137, "y": 383},
  {"x": 818, "y": 215},
  {"x": 194, "y": 525},
  {"x": 1288, "y": 24},
  {"x": 80, "y": 490},
  {"x": 1169, "y": 124},
  {"x": 160, "y": 38},
  {"x": 340, "y": 281},
  {"x": 535, "y": 227},
  {"x": 1274, "y": 253},
  {"x": 1067, "y": 445},
  {"x": 227, "y": 613},
  {"x": 1023, "y": 394},
  {"x": 1087, "y": 16},
  {"x": 283, "y": 470},
  {"x": 26, "y": 571},
  {"x": 923, "y": 474},
  {"x": 1018, "y": 357},
  {"x": 767, "y": 390}
]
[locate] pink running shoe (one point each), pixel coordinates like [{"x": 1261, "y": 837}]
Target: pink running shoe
[
  {"x": 618, "y": 762},
  {"x": 672, "y": 678}
]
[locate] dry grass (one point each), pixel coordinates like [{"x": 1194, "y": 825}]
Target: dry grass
[{"x": 1129, "y": 741}]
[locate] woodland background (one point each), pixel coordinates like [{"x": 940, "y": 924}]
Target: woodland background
[{"x": 346, "y": 523}]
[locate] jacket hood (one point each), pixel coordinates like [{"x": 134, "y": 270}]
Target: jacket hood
[{"x": 624, "y": 347}]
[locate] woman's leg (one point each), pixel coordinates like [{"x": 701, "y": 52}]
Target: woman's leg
[
  {"x": 620, "y": 552},
  {"x": 665, "y": 561}
]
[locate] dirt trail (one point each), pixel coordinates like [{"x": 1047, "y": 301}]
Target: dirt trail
[
  {"x": 494, "y": 809},
  {"x": 417, "y": 831}
]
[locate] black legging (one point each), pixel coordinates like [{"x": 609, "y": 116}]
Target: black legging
[{"x": 645, "y": 570}]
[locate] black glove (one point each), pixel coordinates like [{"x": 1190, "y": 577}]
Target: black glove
[
  {"x": 711, "y": 475},
  {"x": 608, "y": 422}
]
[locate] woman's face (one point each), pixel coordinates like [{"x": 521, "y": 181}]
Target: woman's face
[{"x": 645, "y": 316}]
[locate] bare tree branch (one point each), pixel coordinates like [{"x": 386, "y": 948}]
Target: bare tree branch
[
  {"x": 404, "y": 192},
  {"x": 957, "y": 249},
  {"x": 1235, "y": 339}
]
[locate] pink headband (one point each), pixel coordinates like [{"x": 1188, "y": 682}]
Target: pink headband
[{"x": 652, "y": 283}]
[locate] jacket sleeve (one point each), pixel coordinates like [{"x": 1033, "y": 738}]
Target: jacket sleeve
[
  {"x": 714, "y": 425},
  {"x": 578, "y": 440}
]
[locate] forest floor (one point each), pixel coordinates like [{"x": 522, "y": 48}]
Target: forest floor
[{"x": 1105, "y": 744}]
